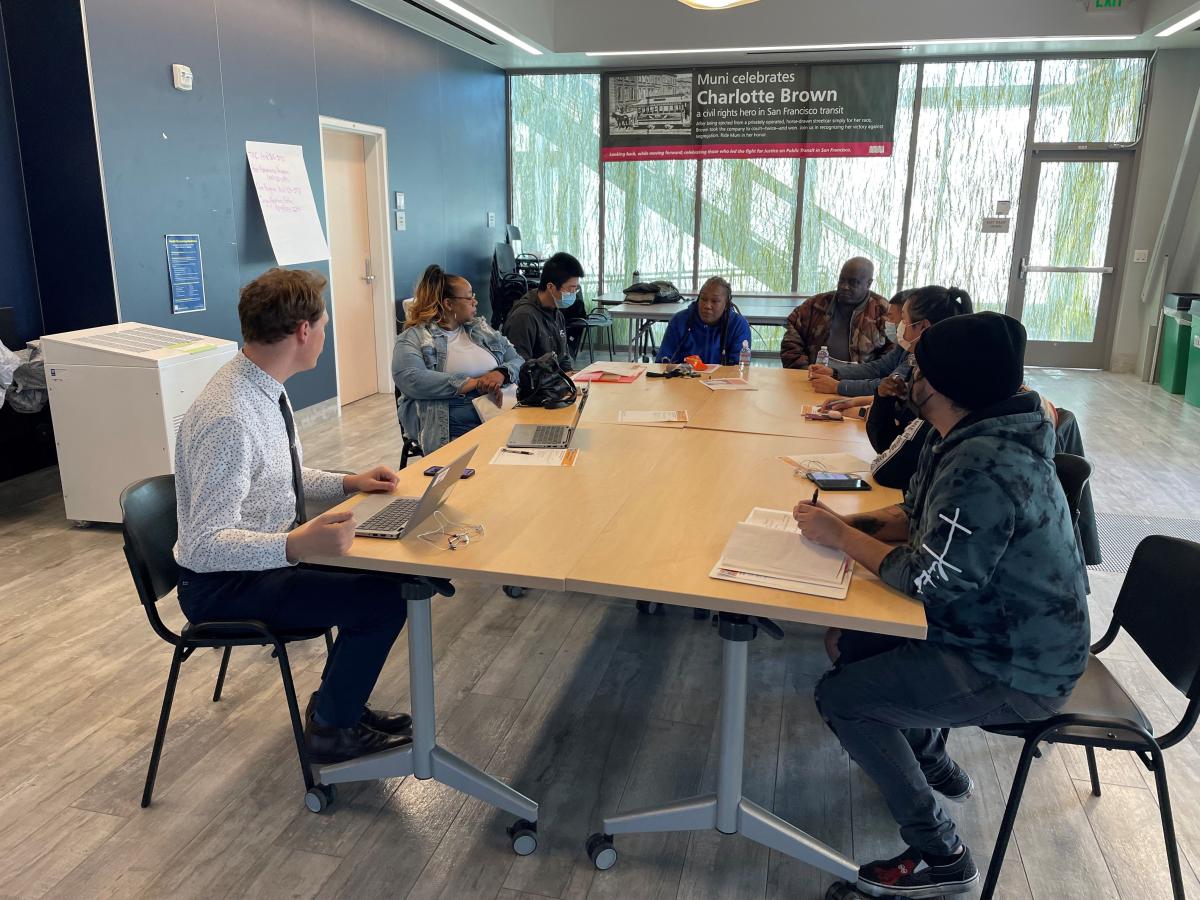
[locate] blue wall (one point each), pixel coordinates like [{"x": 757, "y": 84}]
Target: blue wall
[
  {"x": 175, "y": 162},
  {"x": 19, "y": 288},
  {"x": 60, "y": 164}
]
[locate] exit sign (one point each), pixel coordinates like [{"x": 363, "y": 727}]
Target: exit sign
[{"x": 1106, "y": 5}]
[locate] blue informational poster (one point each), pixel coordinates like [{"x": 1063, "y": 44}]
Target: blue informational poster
[{"x": 185, "y": 270}]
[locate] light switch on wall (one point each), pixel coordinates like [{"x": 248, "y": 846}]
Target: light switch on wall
[
  {"x": 401, "y": 220},
  {"x": 491, "y": 220},
  {"x": 181, "y": 77}
]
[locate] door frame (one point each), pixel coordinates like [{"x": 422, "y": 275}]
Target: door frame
[
  {"x": 1065, "y": 354},
  {"x": 379, "y": 226}
]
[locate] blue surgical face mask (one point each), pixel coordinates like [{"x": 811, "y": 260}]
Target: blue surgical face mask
[
  {"x": 889, "y": 328},
  {"x": 565, "y": 301}
]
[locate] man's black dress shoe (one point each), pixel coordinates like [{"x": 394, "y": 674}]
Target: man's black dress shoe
[
  {"x": 333, "y": 745},
  {"x": 383, "y": 722}
]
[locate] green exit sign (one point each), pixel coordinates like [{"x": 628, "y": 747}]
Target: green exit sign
[{"x": 1102, "y": 5}]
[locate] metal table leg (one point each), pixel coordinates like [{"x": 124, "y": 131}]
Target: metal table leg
[
  {"x": 727, "y": 810},
  {"x": 423, "y": 757}
]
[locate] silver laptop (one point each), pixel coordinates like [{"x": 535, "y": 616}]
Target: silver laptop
[
  {"x": 385, "y": 516},
  {"x": 548, "y": 437}
]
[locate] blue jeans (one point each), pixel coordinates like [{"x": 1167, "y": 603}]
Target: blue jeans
[
  {"x": 366, "y": 607},
  {"x": 463, "y": 417},
  {"x": 888, "y": 710}
]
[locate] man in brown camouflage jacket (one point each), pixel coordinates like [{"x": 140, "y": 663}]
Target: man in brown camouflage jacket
[{"x": 849, "y": 321}]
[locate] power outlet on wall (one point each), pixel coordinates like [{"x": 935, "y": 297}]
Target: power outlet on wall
[
  {"x": 491, "y": 220},
  {"x": 1141, "y": 256}
]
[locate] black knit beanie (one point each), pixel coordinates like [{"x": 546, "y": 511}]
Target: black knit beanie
[{"x": 975, "y": 360}]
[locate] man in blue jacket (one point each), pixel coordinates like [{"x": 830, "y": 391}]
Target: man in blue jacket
[
  {"x": 989, "y": 549},
  {"x": 709, "y": 328}
]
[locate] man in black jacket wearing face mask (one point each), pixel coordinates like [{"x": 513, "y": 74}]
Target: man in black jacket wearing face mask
[{"x": 536, "y": 325}]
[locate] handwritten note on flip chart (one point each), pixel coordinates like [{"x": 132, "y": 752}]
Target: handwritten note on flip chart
[{"x": 286, "y": 198}]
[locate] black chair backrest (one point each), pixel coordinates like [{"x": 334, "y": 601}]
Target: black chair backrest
[
  {"x": 513, "y": 234},
  {"x": 151, "y": 527},
  {"x": 506, "y": 261},
  {"x": 1073, "y": 474},
  {"x": 1159, "y": 605}
]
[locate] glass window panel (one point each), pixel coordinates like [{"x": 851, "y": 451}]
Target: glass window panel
[
  {"x": 1070, "y": 228},
  {"x": 855, "y": 207},
  {"x": 748, "y": 220},
  {"x": 970, "y": 151},
  {"x": 1090, "y": 100},
  {"x": 649, "y": 222},
  {"x": 555, "y": 167}
]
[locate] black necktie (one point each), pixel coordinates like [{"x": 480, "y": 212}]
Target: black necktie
[{"x": 297, "y": 476}]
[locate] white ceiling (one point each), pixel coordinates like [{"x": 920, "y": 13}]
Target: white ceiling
[{"x": 567, "y": 29}]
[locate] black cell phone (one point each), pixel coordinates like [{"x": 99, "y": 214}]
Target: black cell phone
[
  {"x": 835, "y": 481},
  {"x": 433, "y": 470}
]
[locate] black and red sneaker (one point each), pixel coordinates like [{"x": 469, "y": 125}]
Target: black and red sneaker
[{"x": 909, "y": 875}]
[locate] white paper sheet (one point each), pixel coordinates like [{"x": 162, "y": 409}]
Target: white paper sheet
[
  {"x": 669, "y": 417},
  {"x": 510, "y": 457},
  {"x": 841, "y": 463},
  {"x": 286, "y": 198},
  {"x": 487, "y": 408},
  {"x": 728, "y": 384}
]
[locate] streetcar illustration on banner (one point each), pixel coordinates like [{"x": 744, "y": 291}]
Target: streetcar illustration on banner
[{"x": 650, "y": 103}]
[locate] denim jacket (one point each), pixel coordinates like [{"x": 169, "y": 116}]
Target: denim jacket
[{"x": 419, "y": 370}]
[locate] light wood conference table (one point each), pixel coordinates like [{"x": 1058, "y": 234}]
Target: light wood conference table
[{"x": 648, "y": 511}]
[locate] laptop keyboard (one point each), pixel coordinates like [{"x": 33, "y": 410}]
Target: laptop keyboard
[
  {"x": 394, "y": 516},
  {"x": 549, "y": 434}
]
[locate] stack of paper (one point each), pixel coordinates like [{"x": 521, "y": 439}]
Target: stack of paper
[
  {"x": 615, "y": 372},
  {"x": 768, "y": 550},
  {"x": 487, "y": 408}
]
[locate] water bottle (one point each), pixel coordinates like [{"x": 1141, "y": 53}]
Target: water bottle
[
  {"x": 822, "y": 358},
  {"x": 744, "y": 361}
]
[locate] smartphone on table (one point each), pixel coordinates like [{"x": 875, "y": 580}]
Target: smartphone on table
[
  {"x": 836, "y": 481},
  {"x": 433, "y": 470}
]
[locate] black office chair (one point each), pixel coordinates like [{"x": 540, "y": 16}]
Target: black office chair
[
  {"x": 1073, "y": 474},
  {"x": 508, "y": 284},
  {"x": 1157, "y": 607},
  {"x": 151, "y": 528}
]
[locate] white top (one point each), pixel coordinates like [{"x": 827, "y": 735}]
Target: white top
[
  {"x": 465, "y": 357},
  {"x": 233, "y": 475}
]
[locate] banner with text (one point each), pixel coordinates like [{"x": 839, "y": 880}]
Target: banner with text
[{"x": 748, "y": 112}]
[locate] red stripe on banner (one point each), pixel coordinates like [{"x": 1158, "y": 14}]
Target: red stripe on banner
[{"x": 747, "y": 151}]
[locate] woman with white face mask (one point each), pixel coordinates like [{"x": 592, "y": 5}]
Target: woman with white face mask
[{"x": 859, "y": 380}]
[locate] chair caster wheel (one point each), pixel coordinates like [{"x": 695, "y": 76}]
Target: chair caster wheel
[
  {"x": 524, "y": 836},
  {"x": 320, "y": 798},
  {"x": 843, "y": 890},
  {"x": 514, "y": 592},
  {"x": 650, "y": 608},
  {"x": 601, "y": 852}
]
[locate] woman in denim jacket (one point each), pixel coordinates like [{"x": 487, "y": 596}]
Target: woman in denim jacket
[{"x": 446, "y": 356}]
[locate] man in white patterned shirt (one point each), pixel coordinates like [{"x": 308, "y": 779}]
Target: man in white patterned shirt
[{"x": 242, "y": 530}]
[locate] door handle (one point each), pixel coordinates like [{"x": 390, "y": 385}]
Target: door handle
[{"x": 367, "y": 276}]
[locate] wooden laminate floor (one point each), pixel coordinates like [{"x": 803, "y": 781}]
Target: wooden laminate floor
[{"x": 573, "y": 698}]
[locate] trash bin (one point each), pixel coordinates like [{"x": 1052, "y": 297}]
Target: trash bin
[
  {"x": 1173, "y": 352},
  {"x": 1192, "y": 392}
]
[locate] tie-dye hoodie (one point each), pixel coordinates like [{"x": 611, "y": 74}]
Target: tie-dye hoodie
[{"x": 992, "y": 551}]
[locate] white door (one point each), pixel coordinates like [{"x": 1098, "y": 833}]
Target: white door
[{"x": 344, "y": 157}]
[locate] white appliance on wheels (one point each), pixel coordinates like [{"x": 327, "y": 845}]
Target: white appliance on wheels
[{"x": 117, "y": 396}]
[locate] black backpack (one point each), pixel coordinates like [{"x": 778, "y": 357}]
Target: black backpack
[{"x": 542, "y": 382}]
